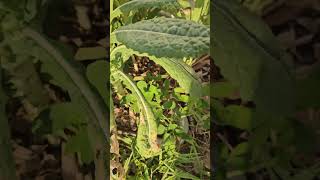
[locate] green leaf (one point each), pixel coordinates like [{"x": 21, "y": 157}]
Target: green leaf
[
  {"x": 233, "y": 115},
  {"x": 249, "y": 56},
  {"x": 70, "y": 76},
  {"x": 240, "y": 149},
  {"x": 183, "y": 73},
  {"x": 80, "y": 143},
  {"x": 185, "y": 175},
  {"x": 169, "y": 105},
  {"x": 65, "y": 115},
  {"x": 146, "y": 141},
  {"x": 176, "y": 68},
  {"x": 166, "y": 37},
  {"x": 201, "y": 9},
  {"x": 97, "y": 73},
  {"x": 135, "y": 5}
]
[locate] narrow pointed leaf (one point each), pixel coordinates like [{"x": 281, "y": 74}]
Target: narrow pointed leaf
[{"x": 146, "y": 142}]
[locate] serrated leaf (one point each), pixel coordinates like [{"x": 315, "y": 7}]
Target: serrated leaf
[
  {"x": 146, "y": 141},
  {"x": 166, "y": 37},
  {"x": 249, "y": 56}
]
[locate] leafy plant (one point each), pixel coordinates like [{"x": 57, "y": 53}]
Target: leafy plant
[
  {"x": 23, "y": 47},
  {"x": 167, "y": 41},
  {"x": 257, "y": 71}
]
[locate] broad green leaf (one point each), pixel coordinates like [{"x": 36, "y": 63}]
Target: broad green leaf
[
  {"x": 183, "y": 73},
  {"x": 248, "y": 54},
  {"x": 146, "y": 142},
  {"x": 70, "y": 76},
  {"x": 66, "y": 73},
  {"x": 97, "y": 73},
  {"x": 135, "y": 5},
  {"x": 7, "y": 165},
  {"x": 176, "y": 68},
  {"x": 166, "y": 37},
  {"x": 68, "y": 115},
  {"x": 65, "y": 115},
  {"x": 80, "y": 143},
  {"x": 233, "y": 115}
]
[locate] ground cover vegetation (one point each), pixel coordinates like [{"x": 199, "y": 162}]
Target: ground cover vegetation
[
  {"x": 161, "y": 123},
  {"x": 55, "y": 102},
  {"x": 265, "y": 89},
  {"x": 54, "y": 111},
  {"x": 54, "y": 91}
]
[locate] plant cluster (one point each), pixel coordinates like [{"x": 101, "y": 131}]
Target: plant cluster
[
  {"x": 161, "y": 32},
  {"x": 255, "y": 100},
  {"x": 63, "y": 98}
]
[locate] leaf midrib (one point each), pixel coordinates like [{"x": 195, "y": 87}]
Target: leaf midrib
[
  {"x": 78, "y": 81},
  {"x": 158, "y": 33},
  {"x": 234, "y": 20},
  {"x": 145, "y": 107}
]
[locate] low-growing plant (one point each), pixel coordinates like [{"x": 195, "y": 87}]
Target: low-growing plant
[
  {"x": 263, "y": 95},
  {"x": 29, "y": 60},
  {"x": 160, "y": 31}
]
